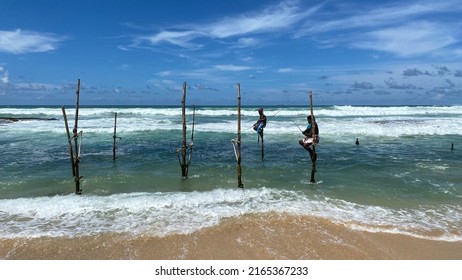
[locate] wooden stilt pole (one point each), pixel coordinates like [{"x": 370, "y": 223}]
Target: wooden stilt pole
[
  {"x": 69, "y": 144},
  {"x": 262, "y": 145},
  {"x": 114, "y": 157},
  {"x": 184, "y": 165},
  {"x": 238, "y": 153},
  {"x": 74, "y": 153},
  {"x": 313, "y": 146},
  {"x": 192, "y": 136},
  {"x": 77, "y": 178}
]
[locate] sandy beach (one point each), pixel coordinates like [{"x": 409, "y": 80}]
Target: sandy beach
[{"x": 268, "y": 236}]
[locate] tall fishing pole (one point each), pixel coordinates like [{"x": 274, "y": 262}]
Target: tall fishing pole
[
  {"x": 274, "y": 115},
  {"x": 114, "y": 157},
  {"x": 260, "y": 135},
  {"x": 298, "y": 126},
  {"x": 237, "y": 143},
  {"x": 194, "y": 121},
  {"x": 239, "y": 169},
  {"x": 313, "y": 144},
  {"x": 74, "y": 152},
  {"x": 183, "y": 162},
  {"x": 192, "y": 136}
]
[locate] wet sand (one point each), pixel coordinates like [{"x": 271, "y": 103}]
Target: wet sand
[{"x": 254, "y": 237}]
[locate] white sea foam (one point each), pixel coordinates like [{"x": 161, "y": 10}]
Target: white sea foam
[
  {"x": 162, "y": 214},
  {"x": 333, "y": 111},
  {"x": 338, "y": 122}
]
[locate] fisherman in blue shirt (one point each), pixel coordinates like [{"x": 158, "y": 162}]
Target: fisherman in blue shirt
[{"x": 261, "y": 123}]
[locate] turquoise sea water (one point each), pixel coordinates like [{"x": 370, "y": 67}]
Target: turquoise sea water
[{"x": 402, "y": 178}]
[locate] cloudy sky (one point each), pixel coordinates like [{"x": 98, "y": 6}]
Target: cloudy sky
[{"x": 134, "y": 52}]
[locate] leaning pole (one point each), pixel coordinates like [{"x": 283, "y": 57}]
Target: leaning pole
[{"x": 74, "y": 153}]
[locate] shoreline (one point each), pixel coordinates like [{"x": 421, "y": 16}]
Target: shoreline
[{"x": 249, "y": 237}]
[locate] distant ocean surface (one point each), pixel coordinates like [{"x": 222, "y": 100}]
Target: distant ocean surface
[{"x": 402, "y": 178}]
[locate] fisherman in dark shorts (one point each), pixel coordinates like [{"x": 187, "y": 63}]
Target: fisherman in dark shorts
[{"x": 310, "y": 140}]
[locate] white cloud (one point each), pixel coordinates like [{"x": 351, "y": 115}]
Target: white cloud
[
  {"x": 33, "y": 86},
  {"x": 277, "y": 17},
  {"x": 381, "y": 15},
  {"x": 281, "y": 16},
  {"x": 164, "y": 83},
  {"x": 165, "y": 73},
  {"x": 408, "y": 40},
  {"x": 247, "y": 42},
  {"x": 439, "y": 96},
  {"x": 124, "y": 67},
  {"x": 19, "y": 41},
  {"x": 231, "y": 67},
  {"x": 285, "y": 70},
  {"x": 179, "y": 38},
  {"x": 405, "y": 28},
  {"x": 4, "y": 76}
]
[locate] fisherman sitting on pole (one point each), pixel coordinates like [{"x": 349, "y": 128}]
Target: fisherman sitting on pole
[
  {"x": 310, "y": 140},
  {"x": 261, "y": 123}
]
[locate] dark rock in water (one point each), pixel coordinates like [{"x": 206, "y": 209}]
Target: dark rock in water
[{"x": 4, "y": 120}]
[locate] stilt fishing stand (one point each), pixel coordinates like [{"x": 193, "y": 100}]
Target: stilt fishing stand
[
  {"x": 184, "y": 147},
  {"x": 114, "y": 157},
  {"x": 313, "y": 145},
  {"x": 237, "y": 143},
  {"x": 260, "y": 136},
  {"x": 77, "y": 137}
]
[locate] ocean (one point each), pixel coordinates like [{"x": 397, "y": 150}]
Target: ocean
[{"x": 403, "y": 178}]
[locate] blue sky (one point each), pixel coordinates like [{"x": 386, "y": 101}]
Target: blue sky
[{"x": 141, "y": 52}]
